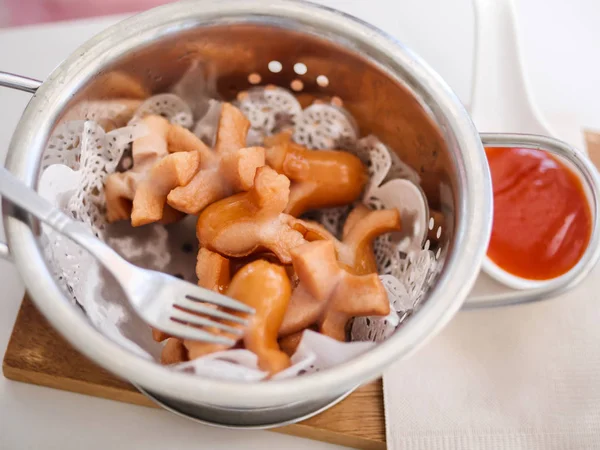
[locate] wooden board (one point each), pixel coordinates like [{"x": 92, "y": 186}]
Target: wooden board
[{"x": 37, "y": 354}]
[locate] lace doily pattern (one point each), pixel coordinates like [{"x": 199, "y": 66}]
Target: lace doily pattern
[
  {"x": 402, "y": 305},
  {"x": 169, "y": 106},
  {"x": 110, "y": 114},
  {"x": 100, "y": 155},
  {"x": 65, "y": 258},
  {"x": 332, "y": 219},
  {"x": 375, "y": 329},
  {"x": 326, "y": 126},
  {"x": 417, "y": 272},
  {"x": 401, "y": 193},
  {"x": 377, "y": 158},
  {"x": 98, "y": 110},
  {"x": 269, "y": 109},
  {"x": 64, "y": 145},
  {"x": 81, "y": 155}
]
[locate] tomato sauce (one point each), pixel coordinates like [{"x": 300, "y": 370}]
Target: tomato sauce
[{"x": 542, "y": 219}]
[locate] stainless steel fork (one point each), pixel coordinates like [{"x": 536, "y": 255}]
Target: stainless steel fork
[{"x": 163, "y": 301}]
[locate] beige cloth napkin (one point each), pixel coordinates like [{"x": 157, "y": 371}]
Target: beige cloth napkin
[{"x": 523, "y": 377}]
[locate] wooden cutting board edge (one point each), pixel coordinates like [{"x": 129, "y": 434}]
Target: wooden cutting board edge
[{"x": 37, "y": 354}]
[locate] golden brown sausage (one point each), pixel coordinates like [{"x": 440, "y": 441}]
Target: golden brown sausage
[
  {"x": 230, "y": 168},
  {"x": 151, "y": 194},
  {"x": 328, "y": 295},
  {"x": 361, "y": 228},
  {"x": 355, "y": 252},
  {"x": 141, "y": 192},
  {"x": 266, "y": 288},
  {"x": 320, "y": 178},
  {"x": 213, "y": 271},
  {"x": 251, "y": 221}
]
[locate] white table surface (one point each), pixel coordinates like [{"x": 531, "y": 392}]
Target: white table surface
[{"x": 41, "y": 418}]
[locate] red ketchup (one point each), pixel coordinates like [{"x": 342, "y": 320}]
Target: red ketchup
[{"x": 542, "y": 219}]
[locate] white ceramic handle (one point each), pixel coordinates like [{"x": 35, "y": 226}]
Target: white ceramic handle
[{"x": 501, "y": 100}]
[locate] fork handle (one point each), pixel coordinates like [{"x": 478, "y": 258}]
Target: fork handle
[{"x": 13, "y": 190}]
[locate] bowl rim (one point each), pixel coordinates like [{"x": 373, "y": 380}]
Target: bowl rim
[
  {"x": 514, "y": 281},
  {"x": 472, "y": 229}
]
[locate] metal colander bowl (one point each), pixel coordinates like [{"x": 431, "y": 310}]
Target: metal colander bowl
[{"x": 390, "y": 92}]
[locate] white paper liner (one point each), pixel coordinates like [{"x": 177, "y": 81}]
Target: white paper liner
[
  {"x": 169, "y": 106},
  {"x": 100, "y": 155},
  {"x": 206, "y": 127},
  {"x": 315, "y": 352},
  {"x": 325, "y": 126},
  {"x": 80, "y": 155},
  {"x": 64, "y": 145},
  {"x": 196, "y": 88},
  {"x": 269, "y": 110}
]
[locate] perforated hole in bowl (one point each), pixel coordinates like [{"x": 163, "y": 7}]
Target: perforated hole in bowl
[
  {"x": 323, "y": 81},
  {"x": 300, "y": 68},
  {"x": 270, "y": 109},
  {"x": 275, "y": 66},
  {"x": 297, "y": 85},
  {"x": 254, "y": 78}
]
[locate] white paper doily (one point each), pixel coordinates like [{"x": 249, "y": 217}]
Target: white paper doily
[
  {"x": 170, "y": 106},
  {"x": 100, "y": 155},
  {"x": 326, "y": 126},
  {"x": 269, "y": 109},
  {"x": 64, "y": 145},
  {"x": 196, "y": 88}
]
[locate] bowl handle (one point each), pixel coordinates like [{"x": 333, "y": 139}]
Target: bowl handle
[
  {"x": 25, "y": 84},
  {"x": 18, "y": 82},
  {"x": 591, "y": 180}
]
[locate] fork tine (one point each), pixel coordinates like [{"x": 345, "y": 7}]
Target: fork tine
[
  {"x": 196, "y": 334},
  {"x": 208, "y": 296},
  {"x": 197, "y": 307},
  {"x": 194, "y": 319}
]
